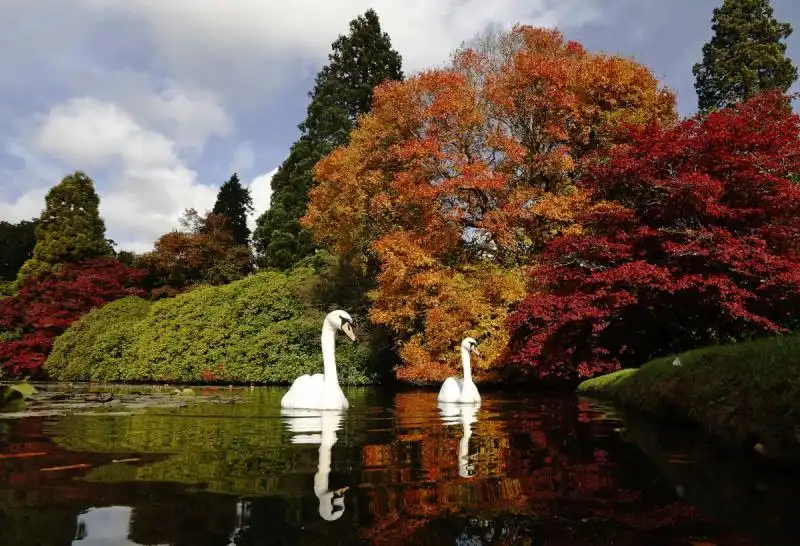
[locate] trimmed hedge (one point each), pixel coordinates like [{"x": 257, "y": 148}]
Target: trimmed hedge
[{"x": 261, "y": 329}]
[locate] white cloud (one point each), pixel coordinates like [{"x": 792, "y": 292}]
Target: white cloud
[
  {"x": 243, "y": 158},
  {"x": 261, "y": 192},
  {"x": 150, "y": 185}
]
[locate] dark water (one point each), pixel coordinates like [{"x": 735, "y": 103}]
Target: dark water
[{"x": 392, "y": 470}]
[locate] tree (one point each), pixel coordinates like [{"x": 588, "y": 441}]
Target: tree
[
  {"x": 698, "y": 243},
  {"x": 16, "y": 247},
  {"x": 46, "y": 305},
  {"x": 204, "y": 252},
  {"x": 342, "y": 92},
  {"x": 70, "y": 229},
  {"x": 745, "y": 56},
  {"x": 234, "y": 201},
  {"x": 456, "y": 179}
]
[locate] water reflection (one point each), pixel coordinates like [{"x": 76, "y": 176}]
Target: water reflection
[
  {"x": 540, "y": 470},
  {"x": 327, "y": 422},
  {"x": 103, "y": 526},
  {"x": 465, "y": 414}
]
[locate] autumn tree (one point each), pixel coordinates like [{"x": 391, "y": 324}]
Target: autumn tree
[
  {"x": 69, "y": 229},
  {"x": 698, "y": 244},
  {"x": 343, "y": 91},
  {"x": 745, "y": 56},
  {"x": 458, "y": 177},
  {"x": 204, "y": 251},
  {"x": 16, "y": 247},
  {"x": 46, "y": 305},
  {"x": 234, "y": 202}
]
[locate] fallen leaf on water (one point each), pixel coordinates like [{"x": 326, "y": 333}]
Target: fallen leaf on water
[
  {"x": 21, "y": 455},
  {"x": 68, "y": 467}
]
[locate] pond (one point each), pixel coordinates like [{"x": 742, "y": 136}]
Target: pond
[{"x": 394, "y": 469}]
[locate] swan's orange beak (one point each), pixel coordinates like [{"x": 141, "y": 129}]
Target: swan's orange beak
[
  {"x": 476, "y": 351},
  {"x": 347, "y": 328}
]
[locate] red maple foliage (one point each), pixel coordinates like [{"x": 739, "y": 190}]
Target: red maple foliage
[
  {"x": 698, "y": 243},
  {"x": 44, "y": 307}
]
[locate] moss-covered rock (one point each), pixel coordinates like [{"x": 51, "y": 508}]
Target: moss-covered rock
[{"x": 262, "y": 329}]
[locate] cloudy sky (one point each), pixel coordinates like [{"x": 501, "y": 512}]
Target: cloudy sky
[{"x": 159, "y": 101}]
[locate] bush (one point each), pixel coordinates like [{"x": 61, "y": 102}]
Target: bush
[
  {"x": 261, "y": 329},
  {"x": 98, "y": 346}
]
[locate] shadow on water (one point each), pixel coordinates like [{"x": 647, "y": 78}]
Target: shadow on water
[{"x": 394, "y": 469}]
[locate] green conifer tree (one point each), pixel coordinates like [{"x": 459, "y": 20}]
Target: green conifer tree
[
  {"x": 745, "y": 56},
  {"x": 234, "y": 201},
  {"x": 343, "y": 90},
  {"x": 69, "y": 229}
]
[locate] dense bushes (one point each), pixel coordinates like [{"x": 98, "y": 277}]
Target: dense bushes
[
  {"x": 44, "y": 307},
  {"x": 262, "y": 329}
]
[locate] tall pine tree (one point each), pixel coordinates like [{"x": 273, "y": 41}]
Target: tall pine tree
[
  {"x": 16, "y": 247},
  {"x": 342, "y": 91},
  {"x": 234, "y": 202},
  {"x": 745, "y": 56},
  {"x": 70, "y": 228}
]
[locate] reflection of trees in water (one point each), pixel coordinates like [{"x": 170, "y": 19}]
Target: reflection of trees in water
[{"x": 538, "y": 468}]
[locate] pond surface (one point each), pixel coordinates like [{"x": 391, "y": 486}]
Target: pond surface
[{"x": 394, "y": 469}]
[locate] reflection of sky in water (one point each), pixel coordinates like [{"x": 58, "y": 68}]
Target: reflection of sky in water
[{"x": 107, "y": 526}]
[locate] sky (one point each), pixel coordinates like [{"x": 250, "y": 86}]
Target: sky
[{"x": 161, "y": 101}]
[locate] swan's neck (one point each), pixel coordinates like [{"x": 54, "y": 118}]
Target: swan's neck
[
  {"x": 329, "y": 353},
  {"x": 465, "y": 364}
]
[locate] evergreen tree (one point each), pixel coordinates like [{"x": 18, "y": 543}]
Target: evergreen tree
[
  {"x": 745, "y": 56},
  {"x": 342, "y": 91},
  {"x": 70, "y": 228},
  {"x": 234, "y": 202},
  {"x": 16, "y": 247}
]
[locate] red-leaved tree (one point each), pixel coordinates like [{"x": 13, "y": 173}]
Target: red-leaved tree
[
  {"x": 44, "y": 307},
  {"x": 698, "y": 243}
]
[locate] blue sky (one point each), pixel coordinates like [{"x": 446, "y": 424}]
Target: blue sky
[{"x": 159, "y": 101}]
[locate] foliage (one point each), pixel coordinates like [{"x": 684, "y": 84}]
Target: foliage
[
  {"x": 97, "y": 347},
  {"x": 697, "y": 245},
  {"x": 234, "y": 202},
  {"x": 16, "y": 246},
  {"x": 44, "y": 307},
  {"x": 12, "y": 397},
  {"x": 69, "y": 229},
  {"x": 205, "y": 252},
  {"x": 745, "y": 56},
  {"x": 743, "y": 393},
  {"x": 257, "y": 330},
  {"x": 342, "y": 92},
  {"x": 458, "y": 176}
]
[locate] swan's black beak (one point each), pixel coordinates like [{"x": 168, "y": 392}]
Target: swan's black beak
[{"x": 347, "y": 328}]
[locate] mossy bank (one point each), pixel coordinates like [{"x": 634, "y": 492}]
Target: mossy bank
[
  {"x": 264, "y": 329},
  {"x": 746, "y": 394}
]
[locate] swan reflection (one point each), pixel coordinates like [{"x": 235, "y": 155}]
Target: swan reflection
[
  {"x": 466, "y": 414},
  {"x": 106, "y": 525},
  {"x": 319, "y": 427}
]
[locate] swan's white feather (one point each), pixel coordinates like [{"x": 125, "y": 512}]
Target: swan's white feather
[{"x": 451, "y": 390}]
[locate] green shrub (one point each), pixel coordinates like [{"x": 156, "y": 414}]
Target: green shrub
[
  {"x": 98, "y": 346},
  {"x": 261, "y": 329}
]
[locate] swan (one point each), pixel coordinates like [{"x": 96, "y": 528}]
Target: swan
[
  {"x": 325, "y": 423},
  {"x": 321, "y": 390},
  {"x": 464, "y": 390},
  {"x": 466, "y": 414}
]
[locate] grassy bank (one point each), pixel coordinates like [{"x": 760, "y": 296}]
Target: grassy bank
[{"x": 746, "y": 394}]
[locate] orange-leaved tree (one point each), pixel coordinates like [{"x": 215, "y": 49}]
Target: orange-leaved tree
[{"x": 453, "y": 182}]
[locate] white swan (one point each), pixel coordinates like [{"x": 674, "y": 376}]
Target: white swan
[
  {"x": 466, "y": 414},
  {"x": 331, "y": 503},
  {"x": 321, "y": 390},
  {"x": 106, "y": 525},
  {"x": 464, "y": 390}
]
